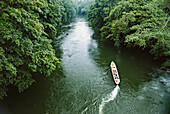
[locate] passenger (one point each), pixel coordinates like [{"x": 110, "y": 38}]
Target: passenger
[
  {"x": 116, "y": 76},
  {"x": 114, "y": 72}
]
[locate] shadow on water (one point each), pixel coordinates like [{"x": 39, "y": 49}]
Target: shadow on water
[
  {"x": 84, "y": 80},
  {"x": 136, "y": 68},
  {"x": 134, "y": 64},
  {"x": 30, "y": 101}
]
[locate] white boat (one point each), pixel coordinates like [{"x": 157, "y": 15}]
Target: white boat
[{"x": 115, "y": 73}]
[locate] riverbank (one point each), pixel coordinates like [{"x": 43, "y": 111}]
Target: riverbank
[{"x": 84, "y": 79}]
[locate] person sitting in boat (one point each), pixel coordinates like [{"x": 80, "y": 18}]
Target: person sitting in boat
[
  {"x": 116, "y": 76},
  {"x": 114, "y": 72}
]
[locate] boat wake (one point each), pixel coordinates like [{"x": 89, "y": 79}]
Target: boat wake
[{"x": 111, "y": 96}]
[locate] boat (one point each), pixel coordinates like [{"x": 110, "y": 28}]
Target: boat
[{"x": 115, "y": 73}]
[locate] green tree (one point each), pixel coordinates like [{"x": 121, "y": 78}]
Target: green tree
[
  {"x": 68, "y": 10},
  {"x": 138, "y": 23},
  {"x": 27, "y": 29},
  {"x": 84, "y": 6},
  {"x": 98, "y": 11}
]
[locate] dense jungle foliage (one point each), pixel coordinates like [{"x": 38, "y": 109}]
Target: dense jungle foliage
[
  {"x": 84, "y": 6},
  {"x": 27, "y": 28},
  {"x": 136, "y": 23}
]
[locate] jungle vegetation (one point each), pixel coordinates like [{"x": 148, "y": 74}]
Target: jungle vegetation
[
  {"x": 27, "y": 29},
  {"x": 84, "y": 6},
  {"x": 135, "y": 23}
]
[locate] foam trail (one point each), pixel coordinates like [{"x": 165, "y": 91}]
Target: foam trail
[{"x": 111, "y": 96}]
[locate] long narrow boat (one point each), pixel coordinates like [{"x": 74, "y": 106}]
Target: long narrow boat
[{"x": 115, "y": 73}]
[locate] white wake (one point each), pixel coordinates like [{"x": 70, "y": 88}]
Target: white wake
[{"x": 111, "y": 96}]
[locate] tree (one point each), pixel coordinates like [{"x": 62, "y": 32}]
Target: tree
[
  {"x": 84, "y": 6},
  {"x": 26, "y": 33},
  {"x": 137, "y": 23},
  {"x": 99, "y": 11}
]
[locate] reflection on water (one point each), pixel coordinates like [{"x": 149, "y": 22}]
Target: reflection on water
[
  {"x": 88, "y": 80},
  {"x": 85, "y": 79}
]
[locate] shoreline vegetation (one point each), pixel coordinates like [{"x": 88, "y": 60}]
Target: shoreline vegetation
[
  {"x": 29, "y": 27},
  {"x": 134, "y": 23}
]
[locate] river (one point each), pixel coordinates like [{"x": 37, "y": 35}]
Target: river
[{"x": 84, "y": 84}]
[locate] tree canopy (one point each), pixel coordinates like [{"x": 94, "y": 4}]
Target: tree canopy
[
  {"x": 84, "y": 6},
  {"x": 137, "y": 23},
  {"x": 26, "y": 33}
]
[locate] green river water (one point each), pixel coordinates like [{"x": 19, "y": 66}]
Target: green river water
[{"x": 84, "y": 84}]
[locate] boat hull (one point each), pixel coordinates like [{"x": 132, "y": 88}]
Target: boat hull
[{"x": 115, "y": 73}]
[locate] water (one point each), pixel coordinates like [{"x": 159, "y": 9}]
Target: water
[
  {"x": 84, "y": 84},
  {"x": 108, "y": 98}
]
